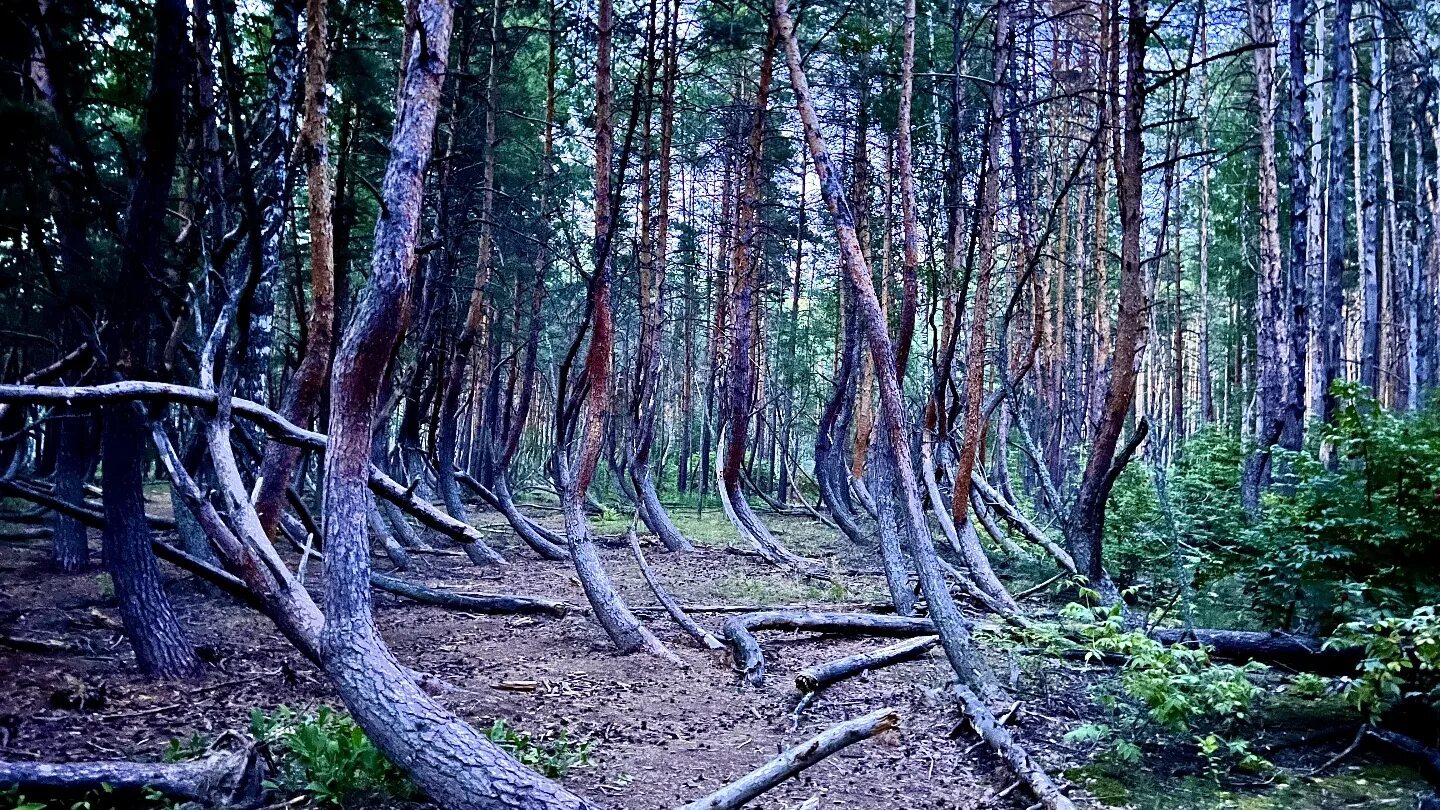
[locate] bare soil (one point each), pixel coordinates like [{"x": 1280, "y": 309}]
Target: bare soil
[{"x": 660, "y": 735}]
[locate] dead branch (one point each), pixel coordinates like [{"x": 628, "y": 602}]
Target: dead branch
[
  {"x": 217, "y": 779},
  {"x": 797, "y": 759},
  {"x": 740, "y": 632},
  {"x": 1020, "y": 761},
  {"x": 488, "y": 604},
  {"x": 821, "y": 676}
]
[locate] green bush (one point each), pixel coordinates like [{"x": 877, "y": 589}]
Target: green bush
[
  {"x": 1402, "y": 660},
  {"x": 1343, "y": 545},
  {"x": 552, "y": 757},
  {"x": 325, "y": 755},
  {"x": 1165, "y": 692}
]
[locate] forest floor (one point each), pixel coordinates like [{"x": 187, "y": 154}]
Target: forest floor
[{"x": 658, "y": 735}]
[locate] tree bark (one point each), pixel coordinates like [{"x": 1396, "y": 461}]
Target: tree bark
[
  {"x": 302, "y": 393},
  {"x": 1333, "y": 284},
  {"x": 1087, "y": 517}
]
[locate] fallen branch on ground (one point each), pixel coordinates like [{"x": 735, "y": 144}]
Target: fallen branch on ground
[
  {"x": 740, "y": 632},
  {"x": 219, "y": 779},
  {"x": 820, "y": 676},
  {"x": 490, "y": 604},
  {"x": 1020, "y": 761},
  {"x": 797, "y": 759}
]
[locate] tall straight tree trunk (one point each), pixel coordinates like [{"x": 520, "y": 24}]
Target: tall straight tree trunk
[
  {"x": 1315, "y": 258},
  {"x": 446, "y": 428},
  {"x": 162, "y": 647},
  {"x": 654, "y": 258},
  {"x": 1272, "y": 322},
  {"x": 1298, "y": 306},
  {"x": 909, "y": 271},
  {"x": 1371, "y": 348},
  {"x": 1087, "y": 518},
  {"x": 1333, "y": 297},
  {"x": 1205, "y": 382},
  {"x": 745, "y": 290},
  {"x": 302, "y": 395},
  {"x": 282, "y": 74}
]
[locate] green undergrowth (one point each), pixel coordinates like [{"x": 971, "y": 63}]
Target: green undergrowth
[
  {"x": 325, "y": 757},
  {"x": 1141, "y": 788}
]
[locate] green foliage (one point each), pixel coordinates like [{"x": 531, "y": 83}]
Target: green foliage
[
  {"x": 1402, "y": 660},
  {"x": 192, "y": 748},
  {"x": 326, "y": 756},
  {"x": 101, "y": 798},
  {"x": 1164, "y": 691},
  {"x": 551, "y": 757},
  {"x": 1335, "y": 542},
  {"x": 1343, "y": 544},
  {"x": 1135, "y": 535}
]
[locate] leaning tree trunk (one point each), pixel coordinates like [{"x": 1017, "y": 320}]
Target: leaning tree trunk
[
  {"x": 740, "y": 381},
  {"x": 976, "y": 562},
  {"x": 302, "y": 394},
  {"x": 574, "y": 469}
]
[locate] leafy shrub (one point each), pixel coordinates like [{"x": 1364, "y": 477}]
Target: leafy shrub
[
  {"x": 1402, "y": 660},
  {"x": 325, "y": 755},
  {"x": 1343, "y": 545},
  {"x": 1165, "y": 691},
  {"x": 552, "y": 757}
]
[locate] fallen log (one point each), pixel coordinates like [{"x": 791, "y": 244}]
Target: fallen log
[
  {"x": 219, "y": 779},
  {"x": 740, "y": 632},
  {"x": 21, "y": 534},
  {"x": 1305, "y": 653},
  {"x": 673, "y": 608},
  {"x": 820, "y": 676},
  {"x": 999, "y": 739},
  {"x": 470, "y": 603},
  {"x": 797, "y": 759},
  {"x": 1413, "y": 752}
]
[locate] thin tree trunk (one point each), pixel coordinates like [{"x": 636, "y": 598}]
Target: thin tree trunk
[
  {"x": 303, "y": 393},
  {"x": 1333, "y": 295},
  {"x": 1087, "y": 520},
  {"x": 162, "y": 647}
]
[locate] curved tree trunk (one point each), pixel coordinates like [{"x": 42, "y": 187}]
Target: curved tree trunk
[
  {"x": 450, "y": 760},
  {"x": 161, "y": 645},
  {"x": 302, "y": 395}
]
